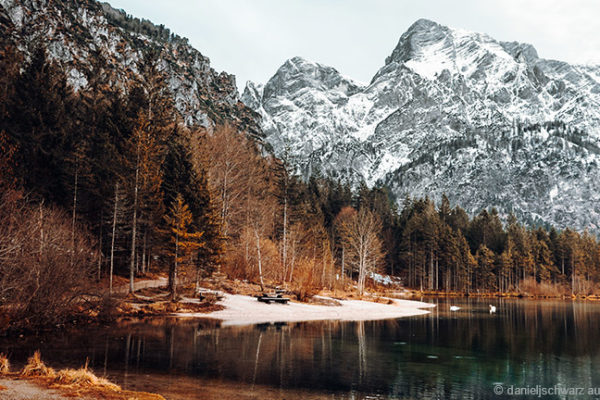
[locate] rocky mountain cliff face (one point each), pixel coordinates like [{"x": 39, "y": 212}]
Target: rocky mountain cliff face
[
  {"x": 488, "y": 123},
  {"x": 87, "y": 37}
]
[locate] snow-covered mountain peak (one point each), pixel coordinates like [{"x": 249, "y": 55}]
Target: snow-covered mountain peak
[
  {"x": 422, "y": 34},
  {"x": 299, "y": 74},
  {"x": 429, "y": 49},
  {"x": 451, "y": 111}
]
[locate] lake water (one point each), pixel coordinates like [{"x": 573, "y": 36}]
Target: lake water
[{"x": 526, "y": 347}]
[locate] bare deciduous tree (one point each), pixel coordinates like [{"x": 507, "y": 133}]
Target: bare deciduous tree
[{"x": 359, "y": 232}]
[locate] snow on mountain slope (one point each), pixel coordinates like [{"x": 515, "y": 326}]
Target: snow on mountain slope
[{"x": 488, "y": 123}]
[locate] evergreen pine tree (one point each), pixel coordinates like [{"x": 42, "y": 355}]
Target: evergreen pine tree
[{"x": 184, "y": 243}]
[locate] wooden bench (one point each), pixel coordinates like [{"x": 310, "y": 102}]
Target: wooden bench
[
  {"x": 209, "y": 294},
  {"x": 265, "y": 298}
]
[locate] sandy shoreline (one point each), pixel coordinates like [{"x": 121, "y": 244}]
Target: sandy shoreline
[
  {"x": 246, "y": 310},
  {"x": 20, "y": 389}
]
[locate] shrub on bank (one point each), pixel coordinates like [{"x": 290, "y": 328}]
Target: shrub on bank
[
  {"x": 46, "y": 265},
  {"x": 531, "y": 287}
]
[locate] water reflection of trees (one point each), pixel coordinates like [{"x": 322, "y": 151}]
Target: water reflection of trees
[
  {"x": 442, "y": 355},
  {"x": 520, "y": 328},
  {"x": 526, "y": 343},
  {"x": 334, "y": 356}
]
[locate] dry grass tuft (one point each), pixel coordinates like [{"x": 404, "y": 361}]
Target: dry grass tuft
[
  {"x": 83, "y": 378},
  {"x": 36, "y": 367},
  {"x": 4, "y": 364},
  {"x": 77, "y": 382}
]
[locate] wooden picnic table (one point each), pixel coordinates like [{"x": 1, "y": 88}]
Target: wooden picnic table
[{"x": 277, "y": 298}]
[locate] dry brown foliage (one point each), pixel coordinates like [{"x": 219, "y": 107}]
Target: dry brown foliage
[
  {"x": 156, "y": 308},
  {"x": 4, "y": 364},
  {"x": 46, "y": 268},
  {"x": 530, "y": 287},
  {"x": 303, "y": 286},
  {"x": 77, "y": 382},
  {"x": 36, "y": 367},
  {"x": 108, "y": 309},
  {"x": 82, "y": 377},
  {"x": 584, "y": 287}
]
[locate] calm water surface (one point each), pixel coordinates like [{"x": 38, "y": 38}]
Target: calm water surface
[{"x": 455, "y": 355}]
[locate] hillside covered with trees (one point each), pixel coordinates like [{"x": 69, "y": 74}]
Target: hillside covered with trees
[{"x": 103, "y": 181}]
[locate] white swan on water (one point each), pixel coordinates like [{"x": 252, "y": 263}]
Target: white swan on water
[
  {"x": 492, "y": 309},
  {"x": 454, "y": 308}
]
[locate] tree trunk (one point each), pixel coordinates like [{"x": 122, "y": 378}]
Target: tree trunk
[
  {"x": 431, "y": 275},
  {"x": 41, "y": 232},
  {"x": 572, "y": 273},
  {"x": 361, "y": 278},
  {"x": 112, "y": 244},
  {"x": 284, "y": 250},
  {"x": 259, "y": 258},
  {"x": 74, "y": 215},
  {"x": 134, "y": 222},
  {"x": 100, "y": 250},
  {"x": 362, "y": 266},
  {"x": 224, "y": 200},
  {"x": 197, "y": 285},
  {"x": 173, "y": 272},
  {"x": 293, "y": 263},
  {"x": 324, "y": 267},
  {"x": 343, "y": 255},
  {"x": 144, "y": 251},
  {"x": 437, "y": 272}
]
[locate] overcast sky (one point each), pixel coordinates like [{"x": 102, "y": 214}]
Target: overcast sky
[{"x": 252, "y": 38}]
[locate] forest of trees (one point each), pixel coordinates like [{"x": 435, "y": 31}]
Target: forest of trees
[
  {"x": 130, "y": 190},
  {"x": 443, "y": 249}
]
